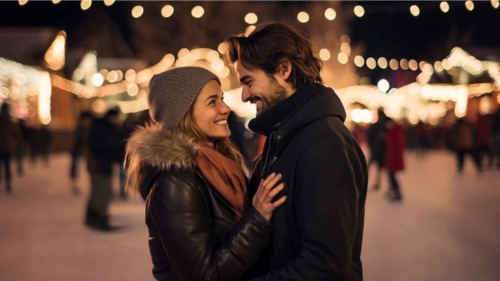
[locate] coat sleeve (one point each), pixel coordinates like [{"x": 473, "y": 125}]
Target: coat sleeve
[
  {"x": 181, "y": 218},
  {"x": 329, "y": 206}
]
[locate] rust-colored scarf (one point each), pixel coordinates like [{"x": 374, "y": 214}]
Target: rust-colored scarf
[{"x": 225, "y": 175}]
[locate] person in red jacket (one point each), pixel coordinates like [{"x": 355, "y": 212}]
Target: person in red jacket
[{"x": 394, "y": 158}]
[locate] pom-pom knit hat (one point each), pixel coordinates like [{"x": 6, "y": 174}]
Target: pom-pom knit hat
[{"x": 172, "y": 92}]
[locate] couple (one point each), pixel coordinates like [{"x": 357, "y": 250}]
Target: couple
[{"x": 301, "y": 215}]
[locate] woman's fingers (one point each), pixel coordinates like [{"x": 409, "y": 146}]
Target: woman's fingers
[
  {"x": 278, "y": 202},
  {"x": 275, "y": 191}
]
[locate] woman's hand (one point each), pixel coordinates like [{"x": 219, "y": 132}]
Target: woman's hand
[{"x": 262, "y": 200}]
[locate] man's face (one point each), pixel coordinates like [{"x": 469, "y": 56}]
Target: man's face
[{"x": 259, "y": 88}]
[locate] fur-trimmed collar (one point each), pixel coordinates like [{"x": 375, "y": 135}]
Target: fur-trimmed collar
[{"x": 157, "y": 148}]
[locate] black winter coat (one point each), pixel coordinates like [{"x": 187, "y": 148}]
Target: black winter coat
[
  {"x": 318, "y": 231},
  {"x": 193, "y": 234}
]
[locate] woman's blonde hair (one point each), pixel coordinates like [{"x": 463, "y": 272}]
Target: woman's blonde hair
[
  {"x": 224, "y": 146},
  {"x": 190, "y": 132}
]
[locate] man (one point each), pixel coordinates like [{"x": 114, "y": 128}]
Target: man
[
  {"x": 104, "y": 150},
  {"x": 318, "y": 232},
  {"x": 11, "y": 137}
]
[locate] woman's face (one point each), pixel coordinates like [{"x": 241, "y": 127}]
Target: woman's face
[{"x": 210, "y": 112}]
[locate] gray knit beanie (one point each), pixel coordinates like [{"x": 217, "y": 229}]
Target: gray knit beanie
[{"x": 172, "y": 92}]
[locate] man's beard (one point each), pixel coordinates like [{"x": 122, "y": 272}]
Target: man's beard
[{"x": 278, "y": 95}]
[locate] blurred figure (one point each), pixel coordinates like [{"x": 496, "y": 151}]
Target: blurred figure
[
  {"x": 394, "y": 157},
  {"x": 464, "y": 143},
  {"x": 129, "y": 125},
  {"x": 40, "y": 138},
  {"x": 237, "y": 127},
  {"x": 495, "y": 138},
  {"x": 423, "y": 139},
  {"x": 21, "y": 146},
  {"x": 482, "y": 127},
  {"x": 11, "y": 136},
  {"x": 79, "y": 149},
  {"x": 375, "y": 137},
  {"x": 104, "y": 150}
]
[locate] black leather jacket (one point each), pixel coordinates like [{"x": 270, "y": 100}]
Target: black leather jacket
[{"x": 193, "y": 234}]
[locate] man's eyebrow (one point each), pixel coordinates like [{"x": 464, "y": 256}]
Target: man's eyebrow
[{"x": 244, "y": 79}]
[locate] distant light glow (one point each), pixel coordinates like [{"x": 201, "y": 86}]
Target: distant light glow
[
  {"x": 330, "y": 14},
  {"x": 23, "y": 2},
  {"x": 167, "y": 11},
  {"x": 97, "y": 79},
  {"x": 383, "y": 85},
  {"x": 342, "y": 58},
  {"x": 55, "y": 2},
  {"x": 359, "y": 61},
  {"x": 85, "y": 4},
  {"x": 324, "y": 54},
  {"x": 413, "y": 65},
  {"x": 251, "y": 18},
  {"x": 44, "y": 94},
  {"x": 303, "y": 17},
  {"x": 445, "y": 7},
  {"x": 109, "y": 2},
  {"x": 394, "y": 64},
  {"x": 469, "y": 5},
  {"x": 197, "y": 12},
  {"x": 404, "y": 64},
  {"x": 382, "y": 62},
  {"x": 137, "y": 11},
  {"x": 359, "y": 11},
  {"x": 371, "y": 63},
  {"x": 415, "y": 10},
  {"x": 345, "y": 48},
  {"x": 495, "y": 4}
]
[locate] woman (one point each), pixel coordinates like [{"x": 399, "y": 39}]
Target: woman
[{"x": 193, "y": 180}]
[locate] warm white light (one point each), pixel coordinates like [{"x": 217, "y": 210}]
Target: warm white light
[
  {"x": 342, "y": 58},
  {"x": 23, "y": 2},
  {"x": 303, "y": 17},
  {"x": 251, "y": 18},
  {"x": 330, "y": 14},
  {"x": 495, "y": 4},
  {"x": 359, "y": 61},
  {"x": 413, "y": 65},
  {"x": 130, "y": 75},
  {"x": 383, "y": 85},
  {"x": 445, "y": 7},
  {"x": 359, "y": 11},
  {"x": 222, "y": 48},
  {"x": 404, "y": 64},
  {"x": 371, "y": 63},
  {"x": 249, "y": 29},
  {"x": 324, "y": 54},
  {"x": 112, "y": 76},
  {"x": 197, "y": 12},
  {"x": 469, "y": 5},
  {"x": 132, "y": 89},
  {"x": 415, "y": 10},
  {"x": 109, "y": 2},
  {"x": 137, "y": 11},
  {"x": 55, "y": 2},
  {"x": 345, "y": 48},
  {"x": 382, "y": 62},
  {"x": 97, "y": 79},
  {"x": 394, "y": 64},
  {"x": 438, "y": 66},
  {"x": 167, "y": 11},
  {"x": 44, "y": 94},
  {"x": 85, "y": 4}
]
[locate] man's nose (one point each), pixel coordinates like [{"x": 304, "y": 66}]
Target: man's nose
[{"x": 245, "y": 94}]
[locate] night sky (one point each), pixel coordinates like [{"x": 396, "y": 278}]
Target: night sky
[{"x": 387, "y": 28}]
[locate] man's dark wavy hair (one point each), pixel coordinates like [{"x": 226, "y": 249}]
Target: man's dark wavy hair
[{"x": 267, "y": 45}]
